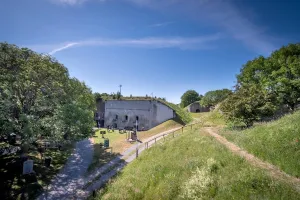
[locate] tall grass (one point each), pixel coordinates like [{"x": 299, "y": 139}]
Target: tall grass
[
  {"x": 194, "y": 166},
  {"x": 277, "y": 142},
  {"x": 213, "y": 118}
]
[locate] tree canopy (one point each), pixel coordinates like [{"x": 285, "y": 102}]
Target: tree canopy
[
  {"x": 189, "y": 97},
  {"x": 266, "y": 84},
  {"x": 39, "y": 99},
  {"x": 214, "y": 97}
]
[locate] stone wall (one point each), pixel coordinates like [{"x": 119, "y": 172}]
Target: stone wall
[
  {"x": 124, "y": 113},
  {"x": 196, "y": 107}
]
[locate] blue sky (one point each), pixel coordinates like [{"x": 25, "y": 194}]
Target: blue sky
[{"x": 164, "y": 47}]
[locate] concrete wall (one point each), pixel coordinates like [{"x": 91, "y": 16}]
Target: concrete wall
[
  {"x": 196, "y": 107},
  {"x": 150, "y": 113}
]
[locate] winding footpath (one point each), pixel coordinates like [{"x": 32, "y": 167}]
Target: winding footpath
[
  {"x": 71, "y": 182},
  {"x": 273, "y": 170}
]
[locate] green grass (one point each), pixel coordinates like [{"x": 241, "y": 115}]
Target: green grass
[
  {"x": 102, "y": 156},
  {"x": 182, "y": 115},
  {"x": 213, "y": 118},
  {"x": 194, "y": 166},
  {"x": 118, "y": 143},
  {"x": 275, "y": 142}
]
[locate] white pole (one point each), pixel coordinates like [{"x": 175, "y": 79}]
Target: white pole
[{"x": 137, "y": 144}]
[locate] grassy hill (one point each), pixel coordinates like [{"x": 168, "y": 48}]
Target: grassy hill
[
  {"x": 194, "y": 166},
  {"x": 213, "y": 118},
  {"x": 182, "y": 115},
  {"x": 277, "y": 142}
]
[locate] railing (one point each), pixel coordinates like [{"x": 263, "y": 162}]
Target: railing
[{"x": 146, "y": 144}]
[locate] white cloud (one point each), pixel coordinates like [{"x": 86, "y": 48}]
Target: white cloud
[
  {"x": 160, "y": 24},
  {"x": 203, "y": 42},
  {"x": 69, "y": 2},
  {"x": 66, "y": 46},
  {"x": 220, "y": 13}
]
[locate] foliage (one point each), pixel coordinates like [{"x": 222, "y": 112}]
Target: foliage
[
  {"x": 265, "y": 84},
  {"x": 189, "y": 97},
  {"x": 247, "y": 105},
  {"x": 278, "y": 74},
  {"x": 36, "y": 91},
  {"x": 277, "y": 142},
  {"x": 214, "y": 97},
  {"x": 166, "y": 170}
]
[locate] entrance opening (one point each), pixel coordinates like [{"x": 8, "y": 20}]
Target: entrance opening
[{"x": 198, "y": 110}]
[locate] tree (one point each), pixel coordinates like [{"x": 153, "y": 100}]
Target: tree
[
  {"x": 189, "y": 97},
  {"x": 214, "y": 97},
  {"x": 34, "y": 88},
  {"x": 248, "y": 104},
  {"x": 279, "y": 75}
]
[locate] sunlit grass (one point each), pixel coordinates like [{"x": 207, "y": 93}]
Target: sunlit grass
[
  {"x": 194, "y": 166},
  {"x": 277, "y": 142},
  {"x": 119, "y": 144}
]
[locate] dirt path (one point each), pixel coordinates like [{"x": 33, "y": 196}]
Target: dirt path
[{"x": 273, "y": 170}]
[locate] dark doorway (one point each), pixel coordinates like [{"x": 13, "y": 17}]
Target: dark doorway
[
  {"x": 102, "y": 123},
  {"x": 197, "y": 110}
]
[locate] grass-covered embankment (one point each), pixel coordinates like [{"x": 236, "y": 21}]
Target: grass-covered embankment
[
  {"x": 277, "y": 142},
  {"x": 194, "y": 166},
  {"x": 213, "y": 118}
]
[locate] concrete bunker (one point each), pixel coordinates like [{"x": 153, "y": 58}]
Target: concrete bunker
[{"x": 124, "y": 114}]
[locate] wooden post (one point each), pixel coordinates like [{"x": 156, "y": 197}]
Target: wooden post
[
  {"x": 191, "y": 126},
  {"x": 164, "y": 136},
  {"x": 155, "y": 140},
  {"x": 173, "y": 134},
  {"x": 137, "y": 153},
  {"x": 182, "y": 130}
]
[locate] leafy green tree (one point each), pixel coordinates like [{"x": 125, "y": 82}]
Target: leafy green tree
[
  {"x": 189, "y": 97},
  {"x": 214, "y": 97},
  {"x": 279, "y": 75},
  {"x": 248, "y": 104},
  {"x": 33, "y": 88}
]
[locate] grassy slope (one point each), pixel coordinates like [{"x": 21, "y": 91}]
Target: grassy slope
[
  {"x": 182, "y": 115},
  {"x": 213, "y": 118},
  {"x": 117, "y": 141},
  {"x": 190, "y": 166},
  {"x": 275, "y": 142}
]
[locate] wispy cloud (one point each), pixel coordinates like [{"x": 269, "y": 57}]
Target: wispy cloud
[
  {"x": 66, "y": 46},
  {"x": 69, "y": 2},
  {"x": 220, "y": 13},
  {"x": 160, "y": 24},
  {"x": 201, "y": 42}
]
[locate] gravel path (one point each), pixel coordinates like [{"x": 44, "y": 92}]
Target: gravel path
[
  {"x": 65, "y": 183},
  {"x": 127, "y": 156},
  {"x": 69, "y": 183}
]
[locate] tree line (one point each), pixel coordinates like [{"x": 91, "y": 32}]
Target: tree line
[
  {"x": 210, "y": 98},
  {"x": 265, "y": 86},
  {"x": 39, "y": 99}
]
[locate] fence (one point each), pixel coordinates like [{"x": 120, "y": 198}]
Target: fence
[{"x": 154, "y": 140}]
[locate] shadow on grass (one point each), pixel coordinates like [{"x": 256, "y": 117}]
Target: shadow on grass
[
  {"x": 101, "y": 157},
  {"x": 13, "y": 184}
]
